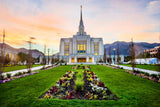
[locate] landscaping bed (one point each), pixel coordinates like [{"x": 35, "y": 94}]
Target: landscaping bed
[
  {"x": 16, "y": 76},
  {"x": 81, "y": 83},
  {"x": 152, "y": 77}
]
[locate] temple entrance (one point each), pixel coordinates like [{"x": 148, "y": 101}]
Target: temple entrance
[{"x": 81, "y": 59}]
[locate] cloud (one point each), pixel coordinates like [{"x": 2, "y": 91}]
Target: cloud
[{"x": 153, "y": 7}]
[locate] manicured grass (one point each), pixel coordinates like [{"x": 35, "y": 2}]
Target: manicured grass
[
  {"x": 148, "y": 67},
  {"x": 19, "y": 67},
  {"x": 131, "y": 90}
]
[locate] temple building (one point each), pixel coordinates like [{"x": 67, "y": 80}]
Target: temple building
[{"x": 81, "y": 48}]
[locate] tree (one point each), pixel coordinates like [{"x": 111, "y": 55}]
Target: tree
[
  {"x": 104, "y": 56},
  {"x": 7, "y": 59},
  {"x": 22, "y": 57},
  {"x": 53, "y": 60},
  {"x": 110, "y": 61},
  {"x": 118, "y": 58},
  {"x": 132, "y": 54}
]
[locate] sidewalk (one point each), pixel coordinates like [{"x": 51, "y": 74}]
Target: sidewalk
[
  {"x": 24, "y": 70},
  {"x": 139, "y": 69}
]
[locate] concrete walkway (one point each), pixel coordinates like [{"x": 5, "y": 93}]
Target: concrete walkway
[
  {"x": 139, "y": 69},
  {"x": 24, "y": 70}
]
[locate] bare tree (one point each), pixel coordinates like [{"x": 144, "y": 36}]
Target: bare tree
[
  {"x": 132, "y": 54},
  {"x": 44, "y": 58},
  {"x": 118, "y": 58},
  {"x": 104, "y": 56},
  {"x": 30, "y": 59},
  {"x": 110, "y": 61}
]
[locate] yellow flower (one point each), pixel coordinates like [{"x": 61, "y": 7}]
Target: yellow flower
[{"x": 95, "y": 96}]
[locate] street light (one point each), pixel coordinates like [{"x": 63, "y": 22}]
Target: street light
[{"x": 114, "y": 54}]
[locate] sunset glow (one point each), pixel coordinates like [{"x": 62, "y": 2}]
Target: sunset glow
[{"x": 50, "y": 20}]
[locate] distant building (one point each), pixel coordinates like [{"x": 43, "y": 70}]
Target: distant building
[
  {"x": 81, "y": 48},
  {"x": 152, "y": 51}
]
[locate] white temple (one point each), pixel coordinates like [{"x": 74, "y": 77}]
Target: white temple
[{"x": 81, "y": 48}]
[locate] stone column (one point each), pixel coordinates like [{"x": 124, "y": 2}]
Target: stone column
[
  {"x": 75, "y": 59},
  {"x": 93, "y": 59},
  {"x": 70, "y": 60},
  {"x": 87, "y": 59}
]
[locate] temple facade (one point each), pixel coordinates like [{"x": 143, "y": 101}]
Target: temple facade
[{"x": 81, "y": 48}]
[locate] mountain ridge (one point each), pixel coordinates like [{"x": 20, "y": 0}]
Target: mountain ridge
[{"x": 124, "y": 47}]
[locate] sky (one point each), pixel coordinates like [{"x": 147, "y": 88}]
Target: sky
[{"x": 50, "y": 20}]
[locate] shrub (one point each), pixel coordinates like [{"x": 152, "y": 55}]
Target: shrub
[
  {"x": 147, "y": 74},
  {"x": 60, "y": 64},
  {"x": 154, "y": 75},
  {"x": 8, "y": 75},
  {"x": 79, "y": 82},
  {"x": 19, "y": 73},
  {"x": 65, "y": 63},
  {"x": 16, "y": 74},
  {"x": 29, "y": 71},
  {"x": 136, "y": 71},
  {"x": 2, "y": 77}
]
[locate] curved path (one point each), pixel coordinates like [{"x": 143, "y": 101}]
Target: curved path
[
  {"x": 24, "y": 70},
  {"x": 139, "y": 69}
]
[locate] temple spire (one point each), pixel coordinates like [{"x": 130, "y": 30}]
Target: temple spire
[
  {"x": 81, "y": 20},
  {"x": 81, "y": 26}
]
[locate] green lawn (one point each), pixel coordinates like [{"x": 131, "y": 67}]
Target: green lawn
[
  {"x": 19, "y": 67},
  {"x": 148, "y": 67},
  {"x": 131, "y": 90}
]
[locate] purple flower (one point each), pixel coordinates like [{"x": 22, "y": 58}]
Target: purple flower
[{"x": 1, "y": 81}]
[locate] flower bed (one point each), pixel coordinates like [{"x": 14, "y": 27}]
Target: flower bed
[
  {"x": 16, "y": 76},
  {"x": 84, "y": 67},
  {"x": 79, "y": 85},
  {"x": 152, "y": 77},
  {"x": 63, "y": 88},
  {"x": 94, "y": 88}
]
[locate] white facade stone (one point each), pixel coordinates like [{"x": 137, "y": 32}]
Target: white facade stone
[{"x": 81, "y": 48}]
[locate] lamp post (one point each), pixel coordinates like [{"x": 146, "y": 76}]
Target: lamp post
[{"x": 114, "y": 54}]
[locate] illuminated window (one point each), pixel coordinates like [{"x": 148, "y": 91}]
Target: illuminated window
[
  {"x": 81, "y": 48},
  {"x": 90, "y": 59},
  {"x": 72, "y": 59},
  {"x": 66, "y": 54},
  {"x": 96, "y": 48},
  {"x": 66, "y": 49},
  {"x": 95, "y": 53}
]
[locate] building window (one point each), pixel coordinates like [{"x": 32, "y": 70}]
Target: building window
[
  {"x": 90, "y": 59},
  {"x": 66, "y": 49},
  {"x": 72, "y": 59},
  {"x": 81, "y": 48},
  {"x": 66, "y": 54},
  {"x": 96, "y": 48}
]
